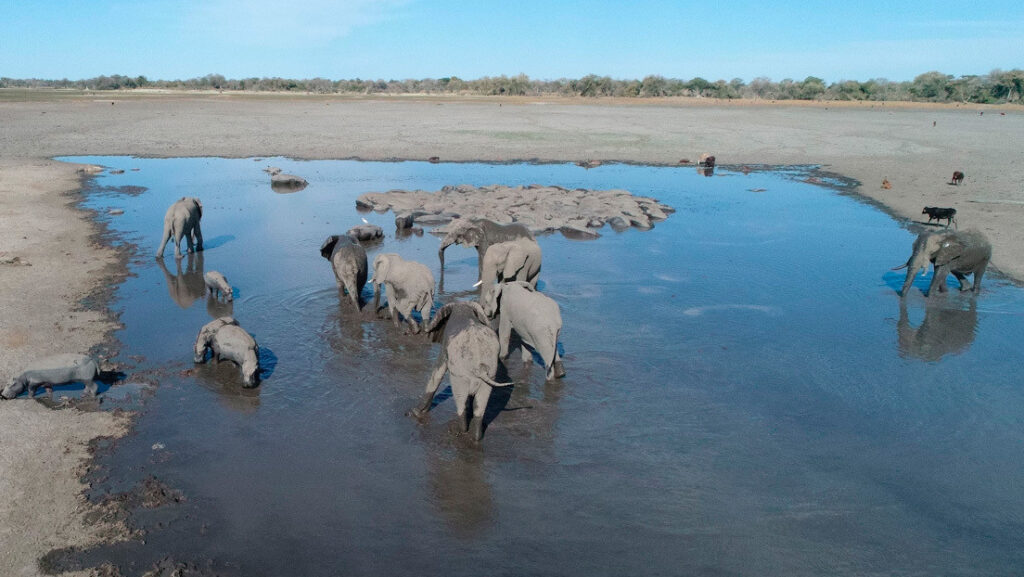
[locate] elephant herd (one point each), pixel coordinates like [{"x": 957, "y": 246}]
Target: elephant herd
[{"x": 509, "y": 266}]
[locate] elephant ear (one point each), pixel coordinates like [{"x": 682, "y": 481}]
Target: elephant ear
[
  {"x": 949, "y": 251},
  {"x": 381, "y": 266},
  {"x": 478, "y": 311},
  {"x": 199, "y": 207},
  {"x": 515, "y": 260},
  {"x": 327, "y": 248},
  {"x": 435, "y": 330}
]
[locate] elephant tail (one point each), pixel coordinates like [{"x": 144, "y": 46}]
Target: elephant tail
[
  {"x": 901, "y": 267},
  {"x": 492, "y": 382}
]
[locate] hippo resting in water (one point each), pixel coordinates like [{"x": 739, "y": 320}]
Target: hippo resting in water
[{"x": 54, "y": 370}]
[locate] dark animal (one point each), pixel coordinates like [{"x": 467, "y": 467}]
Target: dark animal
[
  {"x": 958, "y": 177},
  {"x": 935, "y": 213}
]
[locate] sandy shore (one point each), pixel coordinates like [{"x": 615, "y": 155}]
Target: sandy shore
[{"x": 916, "y": 148}]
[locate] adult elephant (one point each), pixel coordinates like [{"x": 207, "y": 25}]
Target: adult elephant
[
  {"x": 960, "y": 253},
  {"x": 944, "y": 331},
  {"x": 225, "y": 339},
  {"x": 469, "y": 354},
  {"x": 513, "y": 260},
  {"x": 533, "y": 316},
  {"x": 348, "y": 259},
  {"x": 481, "y": 233},
  {"x": 182, "y": 220},
  {"x": 410, "y": 286}
]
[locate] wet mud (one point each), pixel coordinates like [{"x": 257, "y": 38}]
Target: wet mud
[{"x": 746, "y": 394}]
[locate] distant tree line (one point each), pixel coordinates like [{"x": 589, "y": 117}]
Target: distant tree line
[{"x": 995, "y": 87}]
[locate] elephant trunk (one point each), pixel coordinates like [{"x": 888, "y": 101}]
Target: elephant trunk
[
  {"x": 917, "y": 263},
  {"x": 440, "y": 252}
]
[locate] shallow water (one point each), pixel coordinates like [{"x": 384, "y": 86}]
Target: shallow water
[{"x": 744, "y": 395}]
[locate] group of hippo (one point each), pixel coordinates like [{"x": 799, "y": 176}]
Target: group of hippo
[{"x": 509, "y": 266}]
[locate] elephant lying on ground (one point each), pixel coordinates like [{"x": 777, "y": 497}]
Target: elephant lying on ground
[
  {"x": 218, "y": 285},
  {"x": 511, "y": 260},
  {"x": 961, "y": 253},
  {"x": 469, "y": 354},
  {"x": 348, "y": 259},
  {"x": 54, "y": 370},
  {"x": 182, "y": 220},
  {"x": 410, "y": 286},
  {"x": 535, "y": 317},
  {"x": 227, "y": 340},
  {"x": 481, "y": 233}
]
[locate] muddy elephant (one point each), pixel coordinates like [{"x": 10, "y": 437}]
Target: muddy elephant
[
  {"x": 533, "y": 316},
  {"x": 481, "y": 233},
  {"x": 511, "y": 260},
  {"x": 366, "y": 232},
  {"x": 960, "y": 253},
  {"x": 410, "y": 287},
  {"x": 188, "y": 285},
  {"x": 182, "y": 220},
  {"x": 469, "y": 354},
  {"x": 944, "y": 331},
  {"x": 348, "y": 259},
  {"x": 54, "y": 370},
  {"x": 227, "y": 340}
]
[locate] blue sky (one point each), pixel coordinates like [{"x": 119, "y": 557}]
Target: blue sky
[{"x": 398, "y": 39}]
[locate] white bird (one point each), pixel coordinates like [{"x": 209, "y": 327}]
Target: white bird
[{"x": 364, "y": 220}]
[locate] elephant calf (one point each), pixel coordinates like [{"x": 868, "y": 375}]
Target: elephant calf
[
  {"x": 348, "y": 259},
  {"x": 469, "y": 354},
  {"x": 218, "y": 285},
  {"x": 54, "y": 370},
  {"x": 227, "y": 340},
  {"x": 511, "y": 261},
  {"x": 410, "y": 287},
  {"x": 535, "y": 317}
]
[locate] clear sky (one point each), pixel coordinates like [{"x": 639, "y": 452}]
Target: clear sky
[{"x": 399, "y": 39}]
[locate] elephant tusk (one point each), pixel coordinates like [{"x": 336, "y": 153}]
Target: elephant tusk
[{"x": 478, "y": 283}]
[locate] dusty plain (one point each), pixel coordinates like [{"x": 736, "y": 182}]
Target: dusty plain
[{"x": 52, "y": 257}]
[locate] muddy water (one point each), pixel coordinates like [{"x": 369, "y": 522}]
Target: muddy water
[{"x": 744, "y": 394}]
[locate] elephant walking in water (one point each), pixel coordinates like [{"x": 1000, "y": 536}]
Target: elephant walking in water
[
  {"x": 182, "y": 220},
  {"x": 348, "y": 259},
  {"x": 959, "y": 253},
  {"x": 535, "y": 317},
  {"x": 469, "y": 354},
  {"x": 481, "y": 233},
  {"x": 226, "y": 340}
]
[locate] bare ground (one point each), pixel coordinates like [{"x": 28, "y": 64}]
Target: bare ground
[{"x": 916, "y": 148}]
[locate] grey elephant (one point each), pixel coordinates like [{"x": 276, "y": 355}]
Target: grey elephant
[
  {"x": 960, "y": 253},
  {"x": 218, "y": 285},
  {"x": 513, "y": 260},
  {"x": 348, "y": 260},
  {"x": 366, "y": 232},
  {"x": 535, "y": 317},
  {"x": 185, "y": 286},
  {"x": 944, "y": 331},
  {"x": 469, "y": 354},
  {"x": 227, "y": 340},
  {"x": 481, "y": 233},
  {"x": 54, "y": 370},
  {"x": 182, "y": 220},
  {"x": 410, "y": 287}
]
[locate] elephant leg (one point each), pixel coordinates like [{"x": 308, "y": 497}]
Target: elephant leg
[
  {"x": 432, "y": 385},
  {"x": 91, "y": 387},
  {"x": 938, "y": 284},
  {"x": 198, "y": 232},
  {"x": 479, "y": 408},
  {"x": 978, "y": 273},
  {"x": 163, "y": 242},
  {"x": 461, "y": 396},
  {"x": 557, "y": 367},
  {"x": 962, "y": 279},
  {"x": 526, "y": 354},
  {"x": 504, "y": 334}
]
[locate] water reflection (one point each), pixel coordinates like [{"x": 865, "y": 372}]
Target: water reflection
[
  {"x": 217, "y": 308},
  {"x": 185, "y": 286},
  {"x": 460, "y": 489},
  {"x": 223, "y": 379},
  {"x": 944, "y": 331}
]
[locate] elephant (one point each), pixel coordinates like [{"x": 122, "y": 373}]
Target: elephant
[
  {"x": 943, "y": 331},
  {"x": 227, "y": 340},
  {"x": 410, "y": 286},
  {"x": 535, "y": 317},
  {"x": 469, "y": 354},
  {"x": 54, "y": 370},
  {"x": 348, "y": 259},
  {"x": 366, "y": 232},
  {"x": 512, "y": 260},
  {"x": 218, "y": 285},
  {"x": 185, "y": 287},
  {"x": 481, "y": 233},
  {"x": 182, "y": 220},
  {"x": 960, "y": 252}
]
